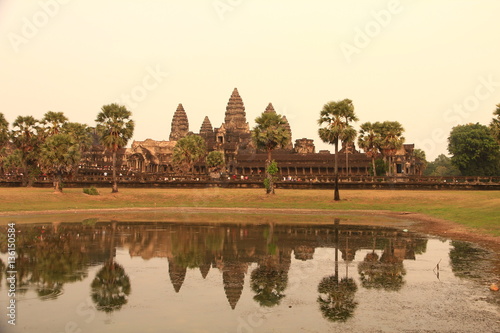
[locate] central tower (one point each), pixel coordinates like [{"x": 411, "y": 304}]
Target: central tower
[{"x": 235, "y": 114}]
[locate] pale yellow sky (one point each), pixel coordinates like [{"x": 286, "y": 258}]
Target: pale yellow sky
[{"x": 427, "y": 64}]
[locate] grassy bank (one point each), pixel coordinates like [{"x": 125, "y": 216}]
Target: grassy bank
[{"x": 474, "y": 209}]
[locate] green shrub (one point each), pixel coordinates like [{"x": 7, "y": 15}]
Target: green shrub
[{"x": 91, "y": 191}]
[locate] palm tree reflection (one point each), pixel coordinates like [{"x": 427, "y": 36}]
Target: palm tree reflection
[
  {"x": 270, "y": 279},
  {"x": 111, "y": 286},
  {"x": 268, "y": 284},
  {"x": 336, "y": 297}
]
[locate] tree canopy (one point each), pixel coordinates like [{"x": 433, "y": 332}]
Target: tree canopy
[
  {"x": 188, "y": 151},
  {"x": 114, "y": 127},
  {"x": 59, "y": 154},
  {"x": 26, "y": 137},
  {"x": 442, "y": 167},
  {"x": 336, "y": 117},
  {"x": 369, "y": 140},
  {"x": 495, "y": 124},
  {"x": 391, "y": 140},
  {"x": 270, "y": 133},
  {"x": 215, "y": 160},
  {"x": 475, "y": 152}
]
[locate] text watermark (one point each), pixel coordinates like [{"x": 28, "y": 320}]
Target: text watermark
[
  {"x": 30, "y": 27},
  {"x": 11, "y": 274},
  {"x": 364, "y": 36}
]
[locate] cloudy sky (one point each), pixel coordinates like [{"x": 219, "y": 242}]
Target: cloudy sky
[{"x": 428, "y": 64}]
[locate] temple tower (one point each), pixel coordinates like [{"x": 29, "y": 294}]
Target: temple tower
[
  {"x": 270, "y": 108},
  {"x": 289, "y": 145},
  {"x": 207, "y": 133},
  {"x": 235, "y": 118},
  {"x": 180, "y": 124},
  {"x": 206, "y": 127}
]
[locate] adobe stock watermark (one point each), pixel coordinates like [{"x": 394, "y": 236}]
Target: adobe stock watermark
[
  {"x": 86, "y": 312},
  {"x": 461, "y": 111},
  {"x": 222, "y": 7},
  {"x": 11, "y": 273},
  {"x": 373, "y": 28},
  {"x": 254, "y": 320},
  {"x": 31, "y": 26},
  {"x": 152, "y": 80}
]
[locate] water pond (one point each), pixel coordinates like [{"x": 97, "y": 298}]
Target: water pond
[{"x": 272, "y": 277}]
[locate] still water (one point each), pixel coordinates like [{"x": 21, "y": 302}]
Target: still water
[{"x": 170, "y": 277}]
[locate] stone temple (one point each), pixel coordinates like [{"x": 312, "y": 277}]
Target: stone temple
[{"x": 233, "y": 137}]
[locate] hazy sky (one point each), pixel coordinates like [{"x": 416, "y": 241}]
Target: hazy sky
[{"x": 427, "y": 64}]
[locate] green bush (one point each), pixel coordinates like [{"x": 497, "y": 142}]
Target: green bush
[{"x": 91, "y": 191}]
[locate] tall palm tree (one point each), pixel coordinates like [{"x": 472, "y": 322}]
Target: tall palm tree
[
  {"x": 369, "y": 140},
  {"x": 4, "y": 139},
  {"x": 348, "y": 138},
  {"x": 115, "y": 128},
  {"x": 391, "y": 133},
  {"x": 336, "y": 116},
  {"x": 4, "y": 130},
  {"x": 495, "y": 124},
  {"x": 270, "y": 133},
  {"x": 52, "y": 123},
  {"x": 26, "y": 137}
]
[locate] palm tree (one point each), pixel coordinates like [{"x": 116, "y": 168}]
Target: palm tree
[
  {"x": 81, "y": 133},
  {"x": 4, "y": 139},
  {"x": 348, "y": 138},
  {"x": 115, "y": 128},
  {"x": 336, "y": 116},
  {"x": 420, "y": 160},
  {"x": 391, "y": 133},
  {"x": 59, "y": 154},
  {"x": 4, "y": 130},
  {"x": 52, "y": 122},
  {"x": 188, "y": 151},
  {"x": 270, "y": 133},
  {"x": 26, "y": 138},
  {"x": 215, "y": 161},
  {"x": 495, "y": 124},
  {"x": 369, "y": 140}
]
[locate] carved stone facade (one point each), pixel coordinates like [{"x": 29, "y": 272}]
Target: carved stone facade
[{"x": 234, "y": 139}]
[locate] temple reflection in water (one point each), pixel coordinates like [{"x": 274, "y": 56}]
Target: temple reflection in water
[{"x": 52, "y": 255}]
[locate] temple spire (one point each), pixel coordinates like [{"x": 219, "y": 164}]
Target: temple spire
[
  {"x": 180, "y": 124},
  {"x": 206, "y": 127},
  {"x": 270, "y": 109},
  {"x": 289, "y": 145},
  {"x": 235, "y": 113}
]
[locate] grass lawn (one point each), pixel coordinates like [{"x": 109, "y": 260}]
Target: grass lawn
[{"x": 474, "y": 209}]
